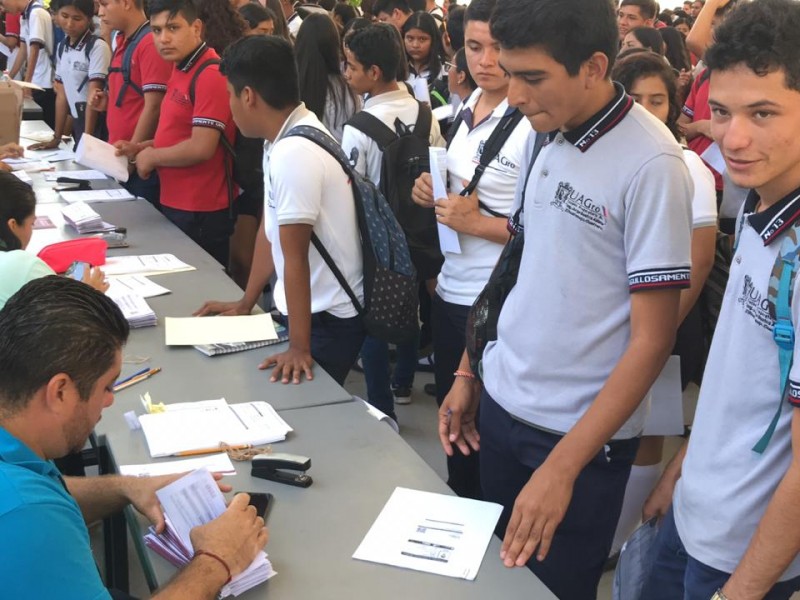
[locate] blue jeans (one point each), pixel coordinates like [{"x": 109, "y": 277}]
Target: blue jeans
[
  {"x": 677, "y": 575},
  {"x": 375, "y": 359},
  {"x": 510, "y": 452}
]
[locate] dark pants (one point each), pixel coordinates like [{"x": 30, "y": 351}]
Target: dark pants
[
  {"x": 449, "y": 326},
  {"x": 378, "y": 373},
  {"x": 149, "y": 189},
  {"x": 676, "y": 575},
  {"x": 335, "y": 343},
  {"x": 47, "y": 100},
  {"x": 511, "y": 451},
  {"x": 209, "y": 230}
]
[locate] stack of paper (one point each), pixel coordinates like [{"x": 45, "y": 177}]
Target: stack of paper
[
  {"x": 136, "y": 310},
  {"x": 189, "y": 502},
  {"x": 215, "y": 463},
  {"x": 193, "y": 427},
  {"x": 90, "y": 175},
  {"x": 139, "y": 285},
  {"x": 101, "y": 156},
  {"x": 97, "y": 196},
  {"x": 145, "y": 264},
  {"x": 217, "y": 349},
  {"x": 193, "y": 331},
  {"x": 83, "y": 218}
]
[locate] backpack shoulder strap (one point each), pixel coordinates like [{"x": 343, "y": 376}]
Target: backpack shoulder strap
[
  {"x": 127, "y": 59},
  {"x": 424, "y": 119},
  {"x": 373, "y": 128},
  {"x": 539, "y": 142},
  {"x": 457, "y": 120},
  {"x": 779, "y": 297},
  {"x": 193, "y": 82},
  {"x": 497, "y": 139}
]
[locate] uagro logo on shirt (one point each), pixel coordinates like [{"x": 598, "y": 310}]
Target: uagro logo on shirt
[
  {"x": 583, "y": 208},
  {"x": 755, "y": 305},
  {"x": 501, "y": 161}
]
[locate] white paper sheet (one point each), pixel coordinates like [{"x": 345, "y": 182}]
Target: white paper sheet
[
  {"x": 666, "y": 402},
  {"x": 421, "y": 92},
  {"x": 208, "y": 424},
  {"x": 435, "y": 533},
  {"x": 134, "y": 284},
  {"x": 191, "y": 331},
  {"x": 100, "y": 155},
  {"x": 441, "y": 113},
  {"x": 145, "y": 264},
  {"x": 713, "y": 156},
  {"x": 52, "y": 155},
  {"x": 448, "y": 238},
  {"x": 135, "y": 310},
  {"x": 214, "y": 463},
  {"x": 88, "y": 175},
  {"x": 23, "y": 176},
  {"x": 97, "y": 196}
]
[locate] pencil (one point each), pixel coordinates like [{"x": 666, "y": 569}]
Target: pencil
[
  {"x": 127, "y": 379},
  {"x": 211, "y": 450},
  {"x": 136, "y": 379}
]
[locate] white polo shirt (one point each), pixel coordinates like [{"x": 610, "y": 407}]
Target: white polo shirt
[
  {"x": 36, "y": 27},
  {"x": 704, "y": 200},
  {"x": 725, "y": 487},
  {"x": 591, "y": 240},
  {"x": 75, "y": 69},
  {"x": 386, "y": 107},
  {"x": 464, "y": 275},
  {"x": 305, "y": 184}
]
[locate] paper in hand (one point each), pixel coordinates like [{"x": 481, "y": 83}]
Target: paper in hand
[
  {"x": 448, "y": 238},
  {"x": 99, "y": 155}
]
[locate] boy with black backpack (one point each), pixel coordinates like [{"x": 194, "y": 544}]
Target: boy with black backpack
[
  {"x": 388, "y": 143},
  {"x": 82, "y": 61}
]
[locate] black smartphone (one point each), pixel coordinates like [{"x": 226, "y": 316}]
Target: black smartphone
[{"x": 262, "y": 502}]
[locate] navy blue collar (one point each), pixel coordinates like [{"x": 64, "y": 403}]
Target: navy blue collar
[
  {"x": 776, "y": 219},
  {"x": 187, "y": 63}
]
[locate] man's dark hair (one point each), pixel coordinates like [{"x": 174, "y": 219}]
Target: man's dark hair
[
  {"x": 479, "y": 10},
  {"x": 18, "y": 202},
  {"x": 345, "y": 12},
  {"x": 376, "y": 45},
  {"x": 460, "y": 60},
  {"x": 647, "y": 8},
  {"x": 388, "y": 6},
  {"x": 84, "y": 6},
  {"x": 650, "y": 38},
  {"x": 187, "y": 8},
  {"x": 56, "y": 325},
  {"x": 253, "y": 14},
  {"x": 764, "y": 36},
  {"x": 266, "y": 64},
  {"x": 571, "y": 31},
  {"x": 454, "y": 24}
]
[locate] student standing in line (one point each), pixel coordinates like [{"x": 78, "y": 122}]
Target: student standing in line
[
  {"x": 36, "y": 52},
  {"x": 394, "y": 12},
  {"x": 132, "y": 109},
  {"x": 305, "y": 191},
  {"x": 425, "y": 54},
  {"x": 481, "y": 234},
  {"x": 187, "y": 150},
  {"x": 732, "y": 528},
  {"x": 259, "y": 20},
  {"x": 81, "y": 70},
  {"x": 589, "y": 324}
]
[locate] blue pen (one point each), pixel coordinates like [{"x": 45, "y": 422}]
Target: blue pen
[{"x": 142, "y": 372}]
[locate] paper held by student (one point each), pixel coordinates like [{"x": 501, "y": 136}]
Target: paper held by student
[
  {"x": 448, "y": 238},
  {"x": 99, "y": 155},
  {"x": 435, "y": 533},
  {"x": 191, "y": 331}
]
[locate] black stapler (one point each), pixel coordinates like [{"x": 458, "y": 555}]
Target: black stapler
[
  {"x": 283, "y": 468},
  {"x": 68, "y": 183}
]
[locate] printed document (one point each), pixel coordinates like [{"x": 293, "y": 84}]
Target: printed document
[
  {"x": 191, "y": 331},
  {"x": 215, "y": 463},
  {"x": 448, "y": 238},
  {"x": 144, "y": 264}
]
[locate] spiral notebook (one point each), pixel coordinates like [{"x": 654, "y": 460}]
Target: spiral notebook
[{"x": 217, "y": 349}]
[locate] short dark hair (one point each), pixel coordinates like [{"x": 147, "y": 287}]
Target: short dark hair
[
  {"x": 650, "y": 38},
  {"x": 266, "y": 64},
  {"x": 84, "y": 6},
  {"x": 479, "y": 10},
  {"x": 56, "y": 325},
  {"x": 345, "y": 12},
  {"x": 376, "y": 45},
  {"x": 454, "y": 25},
  {"x": 460, "y": 61},
  {"x": 18, "y": 202},
  {"x": 253, "y": 14},
  {"x": 188, "y": 9},
  {"x": 647, "y": 8},
  {"x": 388, "y": 6},
  {"x": 571, "y": 31},
  {"x": 764, "y": 36},
  {"x": 640, "y": 63}
]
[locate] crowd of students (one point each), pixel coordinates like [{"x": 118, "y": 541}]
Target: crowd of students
[{"x": 579, "y": 127}]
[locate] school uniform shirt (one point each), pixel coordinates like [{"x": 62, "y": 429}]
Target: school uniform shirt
[
  {"x": 75, "y": 70},
  {"x": 36, "y": 27},
  {"x": 149, "y": 72},
  {"x": 201, "y": 187},
  {"x": 305, "y": 184},
  {"x": 293, "y": 24},
  {"x": 590, "y": 242},
  {"x": 464, "y": 275},
  {"x": 386, "y": 107},
  {"x": 13, "y": 31},
  {"x": 704, "y": 199},
  {"x": 18, "y": 267},
  {"x": 725, "y": 486}
]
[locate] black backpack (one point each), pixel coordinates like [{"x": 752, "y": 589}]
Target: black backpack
[
  {"x": 246, "y": 153},
  {"x": 125, "y": 69},
  {"x": 405, "y": 158}
]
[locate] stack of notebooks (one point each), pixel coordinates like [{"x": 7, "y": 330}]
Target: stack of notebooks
[
  {"x": 191, "y": 501},
  {"x": 84, "y": 219},
  {"x": 217, "y": 349},
  {"x": 136, "y": 310}
]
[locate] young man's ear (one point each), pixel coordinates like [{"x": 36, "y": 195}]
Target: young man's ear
[
  {"x": 595, "y": 69},
  {"x": 374, "y": 73}
]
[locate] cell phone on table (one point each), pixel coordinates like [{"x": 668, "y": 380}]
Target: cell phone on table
[
  {"x": 262, "y": 502},
  {"x": 78, "y": 270}
]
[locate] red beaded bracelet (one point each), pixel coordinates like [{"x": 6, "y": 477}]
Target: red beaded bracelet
[
  {"x": 222, "y": 562},
  {"x": 465, "y": 374}
]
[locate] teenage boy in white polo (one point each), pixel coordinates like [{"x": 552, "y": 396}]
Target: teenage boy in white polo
[
  {"x": 305, "y": 190},
  {"x": 734, "y": 524},
  {"x": 481, "y": 234},
  {"x": 593, "y": 315}
]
